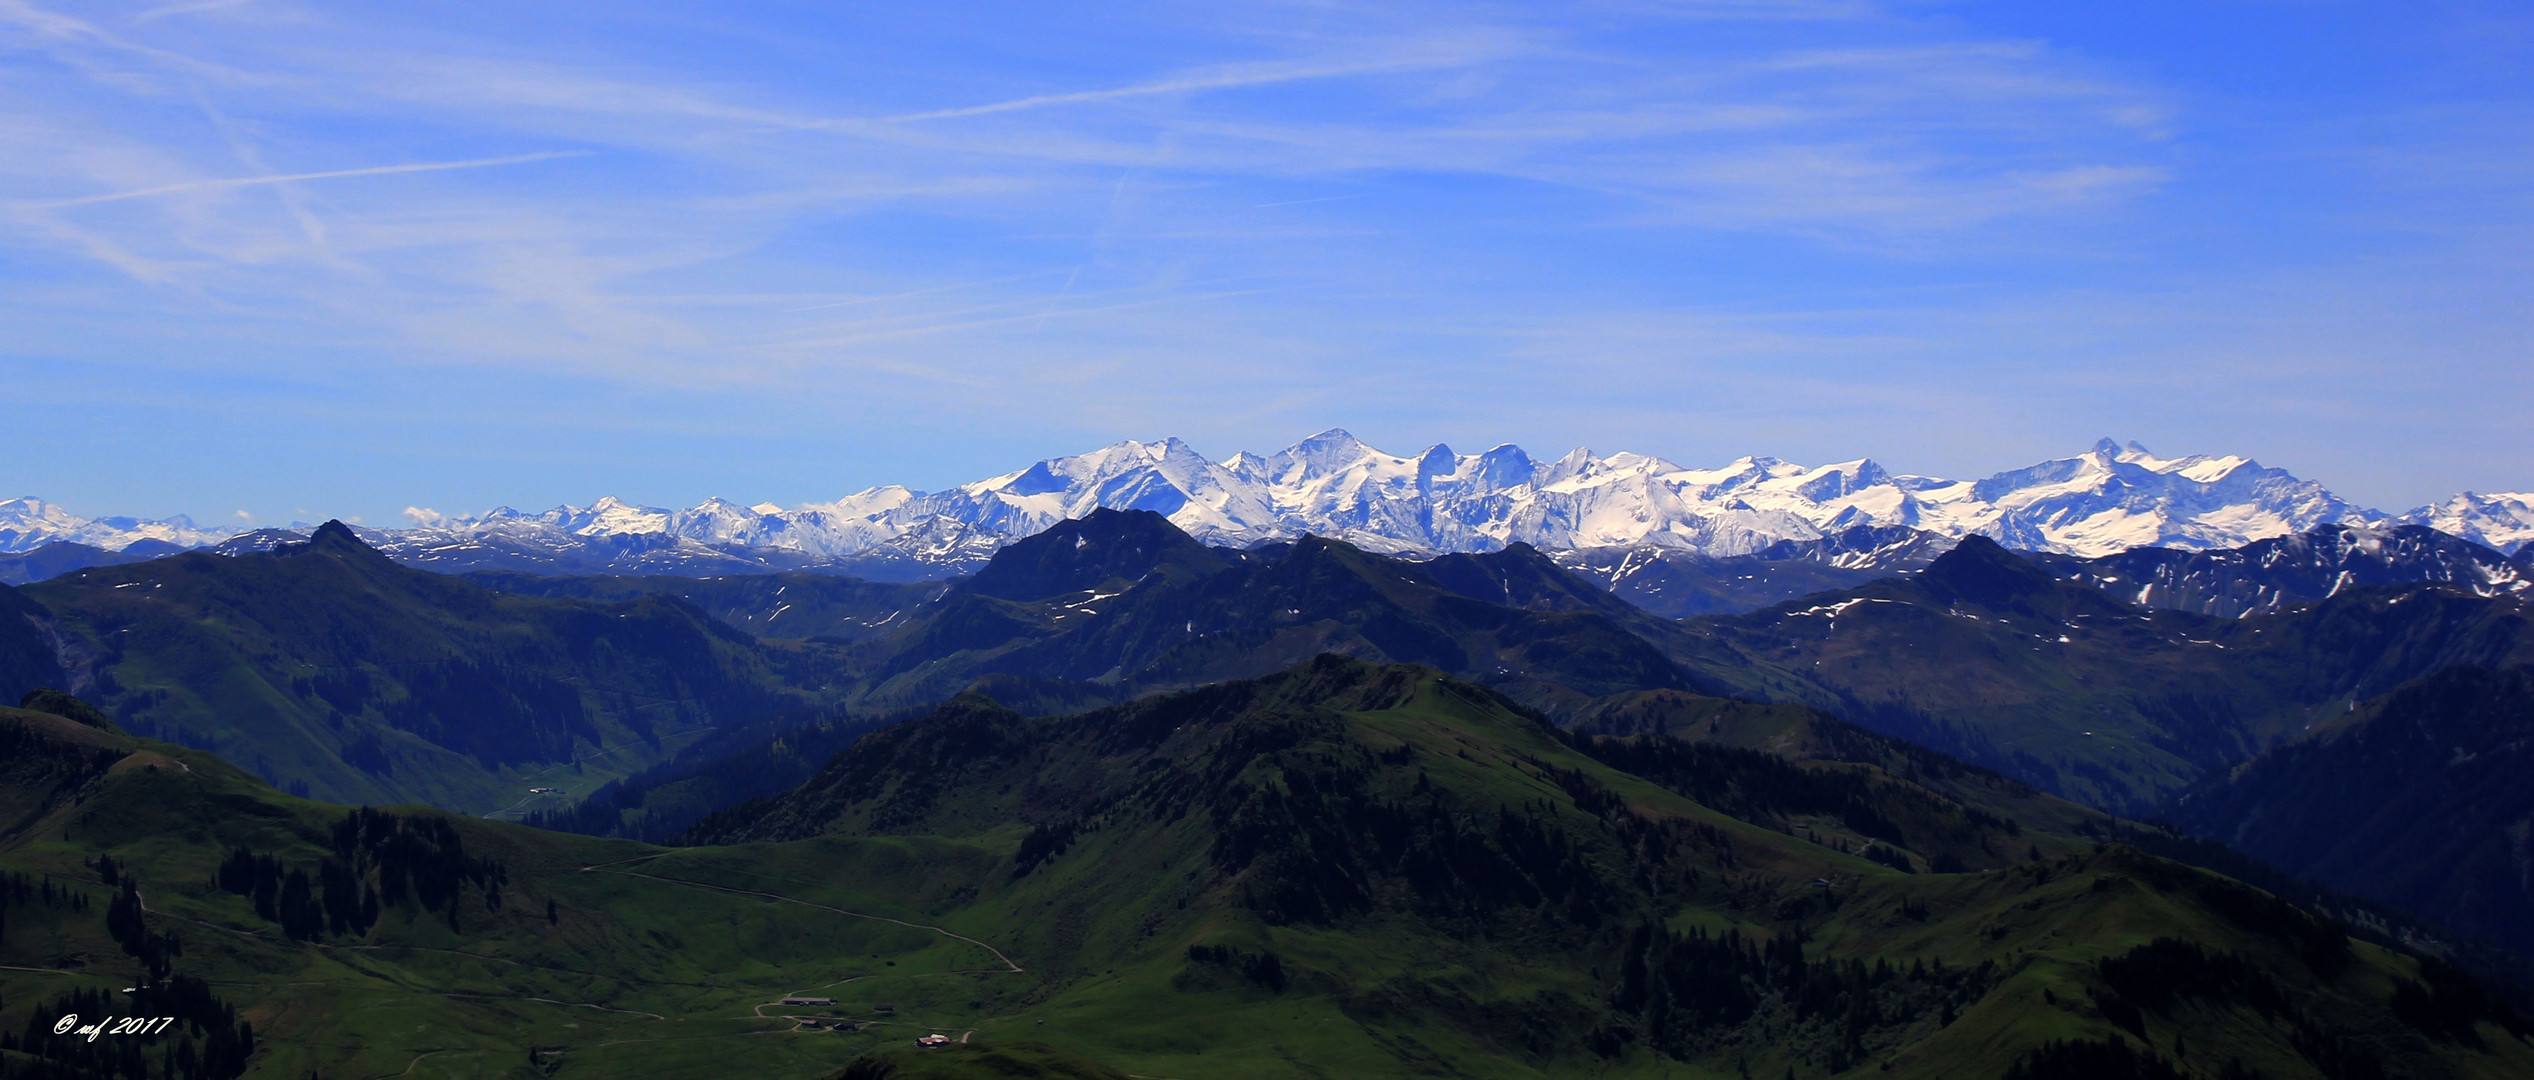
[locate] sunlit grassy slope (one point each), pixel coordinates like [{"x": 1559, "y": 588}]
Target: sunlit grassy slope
[{"x": 1346, "y": 870}]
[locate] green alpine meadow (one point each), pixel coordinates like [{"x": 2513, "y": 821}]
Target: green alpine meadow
[
  {"x": 1341, "y": 869},
  {"x": 1266, "y": 540},
  {"x": 1123, "y": 804}
]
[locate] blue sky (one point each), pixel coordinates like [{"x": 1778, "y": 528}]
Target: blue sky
[{"x": 290, "y": 260}]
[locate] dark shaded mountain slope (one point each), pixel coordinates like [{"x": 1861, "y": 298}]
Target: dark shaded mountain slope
[
  {"x": 62, "y": 556},
  {"x": 1807, "y": 736},
  {"x": 2286, "y": 572},
  {"x": 1986, "y": 657},
  {"x": 329, "y": 666},
  {"x": 825, "y": 607},
  {"x": 659, "y": 804},
  {"x": 1679, "y": 583},
  {"x": 1106, "y": 550},
  {"x": 30, "y": 647},
  {"x": 1150, "y": 612},
  {"x": 2422, "y": 798}
]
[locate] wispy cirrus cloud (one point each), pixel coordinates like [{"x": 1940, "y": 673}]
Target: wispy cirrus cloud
[
  {"x": 229, "y": 182},
  {"x": 1420, "y": 57},
  {"x": 1118, "y": 215},
  {"x": 196, "y": 7},
  {"x": 702, "y": 169}
]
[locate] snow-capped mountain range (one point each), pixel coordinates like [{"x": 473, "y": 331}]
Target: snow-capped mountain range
[
  {"x": 2109, "y": 499},
  {"x": 30, "y": 523}
]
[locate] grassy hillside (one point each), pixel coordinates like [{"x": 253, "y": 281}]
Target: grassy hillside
[
  {"x": 1451, "y": 887},
  {"x": 1346, "y": 870},
  {"x": 1807, "y": 735},
  {"x": 523, "y": 964},
  {"x": 328, "y": 668}
]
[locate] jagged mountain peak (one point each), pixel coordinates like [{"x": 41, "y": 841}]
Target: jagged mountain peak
[
  {"x": 1336, "y": 439},
  {"x": 338, "y": 541},
  {"x": 1083, "y": 554},
  {"x": 2284, "y": 572},
  {"x": 2112, "y": 498},
  {"x": 2501, "y": 519},
  {"x": 1978, "y": 570},
  {"x": 335, "y": 534},
  {"x": 1319, "y": 455}
]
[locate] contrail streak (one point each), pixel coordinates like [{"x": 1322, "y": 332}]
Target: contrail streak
[
  {"x": 919, "y": 292},
  {"x": 252, "y": 181},
  {"x": 1299, "y": 202},
  {"x": 1256, "y": 75}
]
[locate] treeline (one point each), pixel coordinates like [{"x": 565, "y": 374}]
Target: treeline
[
  {"x": 2501, "y": 971},
  {"x": 2112, "y": 1058},
  {"x": 20, "y": 890},
  {"x": 124, "y": 922},
  {"x": 27, "y": 890},
  {"x": 1769, "y": 790},
  {"x": 1264, "y": 969},
  {"x": 22, "y": 745},
  {"x": 378, "y": 860},
  {"x": 206, "y": 1041},
  {"x": 1677, "y": 993},
  {"x": 1044, "y": 842},
  {"x": 2154, "y": 979},
  {"x": 2446, "y": 1004},
  {"x": 1315, "y": 839},
  {"x": 123, "y": 913},
  {"x": 40, "y": 763}
]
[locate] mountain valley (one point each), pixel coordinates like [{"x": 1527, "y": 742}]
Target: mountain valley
[
  {"x": 1346, "y": 869},
  {"x": 1468, "y": 814}
]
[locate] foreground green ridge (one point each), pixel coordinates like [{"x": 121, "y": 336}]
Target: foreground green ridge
[{"x": 1341, "y": 870}]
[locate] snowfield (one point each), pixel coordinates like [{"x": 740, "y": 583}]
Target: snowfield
[{"x": 2109, "y": 499}]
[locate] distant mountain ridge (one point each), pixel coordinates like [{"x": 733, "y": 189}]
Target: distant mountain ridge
[
  {"x": 2282, "y": 572},
  {"x": 2109, "y": 499},
  {"x": 2418, "y": 798},
  {"x": 329, "y": 668}
]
